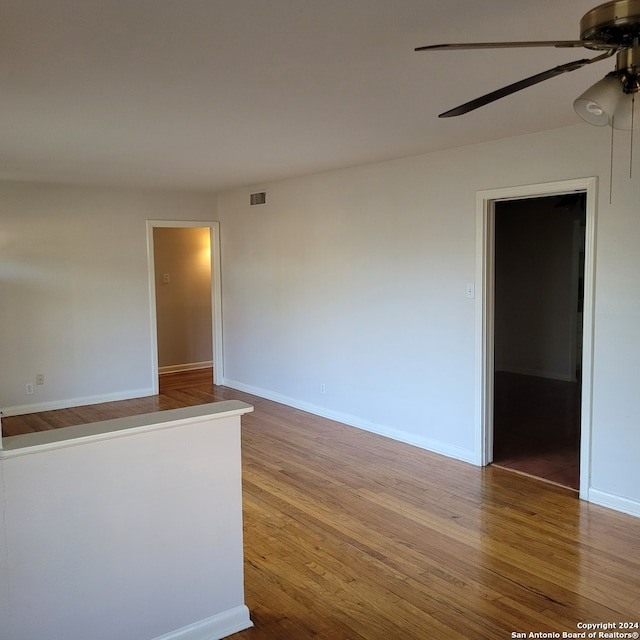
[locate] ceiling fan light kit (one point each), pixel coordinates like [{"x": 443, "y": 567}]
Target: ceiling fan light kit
[
  {"x": 598, "y": 103},
  {"x": 612, "y": 100}
]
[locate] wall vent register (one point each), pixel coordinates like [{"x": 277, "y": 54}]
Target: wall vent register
[{"x": 258, "y": 198}]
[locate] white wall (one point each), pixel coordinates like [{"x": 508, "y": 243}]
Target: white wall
[
  {"x": 356, "y": 280},
  {"x": 127, "y": 529},
  {"x": 74, "y": 292},
  {"x": 352, "y": 279}
]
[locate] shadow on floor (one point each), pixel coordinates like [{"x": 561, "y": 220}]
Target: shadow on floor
[{"x": 537, "y": 427}]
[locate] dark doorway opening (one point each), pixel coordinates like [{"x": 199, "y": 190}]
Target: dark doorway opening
[{"x": 539, "y": 292}]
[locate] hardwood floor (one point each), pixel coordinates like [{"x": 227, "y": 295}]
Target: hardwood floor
[
  {"x": 351, "y": 536},
  {"x": 537, "y": 427}
]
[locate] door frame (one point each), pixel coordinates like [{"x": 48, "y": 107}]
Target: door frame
[
  {"x": 485, "y": 312},
  {"x": 216, "y": 293}
]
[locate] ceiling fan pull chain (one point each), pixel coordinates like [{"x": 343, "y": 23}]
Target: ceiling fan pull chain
[
  {"x": 611, "y": 168},
  {"x": 633, "y": 109}
]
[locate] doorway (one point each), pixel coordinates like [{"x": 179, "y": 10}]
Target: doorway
[
  {"x": 487, "y": 202},
  {"x": 183, "y": 299},
  {"x": 174, "y": 348},
  {"x": 538, "y": 307}
]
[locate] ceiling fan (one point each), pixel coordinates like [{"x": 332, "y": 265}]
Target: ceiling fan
[{"x": 612, "y": 28}]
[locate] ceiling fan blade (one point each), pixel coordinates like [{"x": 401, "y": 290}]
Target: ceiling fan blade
[
  {"x": 518, "y": 86},
  {"x": 515, "y": 45}
]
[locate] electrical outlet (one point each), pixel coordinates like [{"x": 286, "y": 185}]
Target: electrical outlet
[
  {"x": 28, "y": 388},
  {"x": 40, "y": 378}
]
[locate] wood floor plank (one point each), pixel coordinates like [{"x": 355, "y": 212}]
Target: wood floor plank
[{"x": 351, "y": 536}]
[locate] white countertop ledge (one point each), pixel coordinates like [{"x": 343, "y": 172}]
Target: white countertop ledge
[{"x": 30, "y": 443}]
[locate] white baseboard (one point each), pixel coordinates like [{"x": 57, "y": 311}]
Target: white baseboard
[
  {"x": 612, "y": 501},
  {"x": 51, "y": 405},
  {"x": 215, "y": 628},
  {"x": 428, "y": 444},
  {"x": 188, "y": 366}
]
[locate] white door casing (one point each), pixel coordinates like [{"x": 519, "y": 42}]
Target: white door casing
[
  {"x": 216, "y": 295},
  {"x": 485, "y": 320}
]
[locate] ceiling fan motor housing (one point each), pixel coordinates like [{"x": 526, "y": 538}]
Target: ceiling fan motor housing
[{"x": 616, "y": 22}]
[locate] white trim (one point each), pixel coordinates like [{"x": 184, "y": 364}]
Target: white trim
[
  {"x": 19, "y": 410},
  {"x": 435, "y": 446},
  {"x": 216, "y": 293},
  {"x": 189, "y": 366},
  {"x": 484, "y": 336},
  {"x": 82, "y": 434},
  {"x": 214, "y": 628},
  {"x": 485, "y": 213},
  {"x": 612, "y": 501},
  {"x": 586, "y": 408}
]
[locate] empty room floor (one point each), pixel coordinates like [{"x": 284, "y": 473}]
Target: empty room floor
[{"x": 351, "y": 536}]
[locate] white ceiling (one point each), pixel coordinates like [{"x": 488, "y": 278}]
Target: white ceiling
[{"x": 210, "y": 94}]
